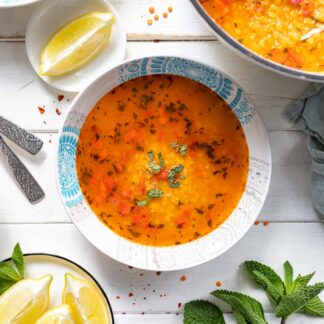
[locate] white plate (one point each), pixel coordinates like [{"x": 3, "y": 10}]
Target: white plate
[
  {"x": 39, "y": 264},
  {"x": 15, "y": 3},
  {"x": 198, "y": 251},
  {"x": 52, "y": 15}
]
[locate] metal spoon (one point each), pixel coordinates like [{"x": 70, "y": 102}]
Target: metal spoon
[
  {"x": 21, "y": 137},
  {"x": 26, "y": 181},
  {"x": 312, "y": 32}
]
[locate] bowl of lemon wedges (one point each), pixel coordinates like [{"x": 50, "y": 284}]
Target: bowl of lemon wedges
[
  {"x": 48, "y": 289},
  {"x": 71, "y": 43}
]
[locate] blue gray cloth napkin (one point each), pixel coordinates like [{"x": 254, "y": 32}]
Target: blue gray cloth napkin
[{"x": 308, "y": 114}]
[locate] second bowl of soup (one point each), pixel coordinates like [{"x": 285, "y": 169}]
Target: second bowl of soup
[{"x": 163, "y": 163}]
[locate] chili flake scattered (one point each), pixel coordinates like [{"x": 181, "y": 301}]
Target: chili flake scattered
[
  {"x": 179, "y": 305},
  {"x": 151, "y": 10},
  {"x": 150, "y": 22},
  {"x": 60, "y": 97},
  {"x": 170, "y": 9},
  {"x": 58, "y": 111},
  {"x": 256, "y": 223},
  {"x": 117, "y": 297},
  {"x": 183, "y": 278},
  {"x": 266, "y": 223},
  {"x": 158, "y": 273},
  {"x": 156, "y": 17},
  {"x": 130, "y": 294},
  {"x": 41, "y": 109},
  {"x": 165, "y": 15},
  {"x": 218, "y": 283}
]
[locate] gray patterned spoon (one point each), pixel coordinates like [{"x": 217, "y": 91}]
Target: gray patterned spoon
[
  {"x": 26, "y": 181},
  {"x": 21, "y": 137}
]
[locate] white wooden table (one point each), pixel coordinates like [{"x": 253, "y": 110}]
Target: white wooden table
[{"x": 296, "y": 231}]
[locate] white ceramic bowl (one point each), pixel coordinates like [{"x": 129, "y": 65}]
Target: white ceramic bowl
[
  {"x": 16, "y": 3},
  {"x": 198, "y": 251},
  {"x": 49, "y": 17}
]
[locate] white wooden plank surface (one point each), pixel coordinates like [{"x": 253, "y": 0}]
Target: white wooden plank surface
[
  {"x": 22, "y": 91},
  {"x": 183, "y": 23},
  {"x": 272, "y": 244}
]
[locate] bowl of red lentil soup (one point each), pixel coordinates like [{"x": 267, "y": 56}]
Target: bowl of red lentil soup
[
  {"x": 163, "y": 163},
  {"x": 286, "y": 36}
]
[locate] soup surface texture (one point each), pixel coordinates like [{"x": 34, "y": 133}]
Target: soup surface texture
[
  {"x": 162, "y": 160},
  {"x": 274, "y": 28}
]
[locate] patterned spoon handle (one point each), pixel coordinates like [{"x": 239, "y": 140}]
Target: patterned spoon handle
[
  {"x": 26, "y": 181},
  {"x": 21, "y": 137}
]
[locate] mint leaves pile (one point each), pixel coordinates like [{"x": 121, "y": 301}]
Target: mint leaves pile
[
  {"x": 12, "y": 273},
  {"x": 289, "y": 296}
]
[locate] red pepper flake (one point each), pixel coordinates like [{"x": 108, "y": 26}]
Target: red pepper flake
[
  {"x": 41, "y": 109},
  {"x": 218, "y": 283},
  {"x": 158, "y": 273},
  {"x": 156, "y": 41},
  {"x": 130, "y": 267},
  {"x": 256, "y": 223},
  {"x": 183, "y": 278},
  {"x": 58, "y": 111},
  {"x": 179, "y": 305},
  {"x": 142, "y": 313},
  {"x": 130, "y": 294},
  {"x": 117, "y": 297},
  {"x": 49, "y": 141},
  {"x": 266, "y": 223},
  {"x": 60, "y": 97}
]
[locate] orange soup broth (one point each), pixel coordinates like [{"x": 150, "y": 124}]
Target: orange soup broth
[
  {"x": 162, "y": 160},
  {"x": 274, "y": 28}
]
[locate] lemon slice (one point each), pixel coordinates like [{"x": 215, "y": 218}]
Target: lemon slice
[
  {"x": 87, "y": 303},
  {"x": 25, "y": 301},
  {"x": 76, "y": 43},
  {"x": 57, "y": 315}
]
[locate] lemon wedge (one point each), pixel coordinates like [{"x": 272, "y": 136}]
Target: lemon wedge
[
  {"x": 25, "y": 301},
  {"x": 86, "y": 301},
  {"x": 76, "y": 43},
  {"x": 57, "y": 315}
]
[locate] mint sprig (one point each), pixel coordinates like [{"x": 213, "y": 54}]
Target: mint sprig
[
  {"x": 202, "y": 311},
  {"x": 289, "y": 295},
  {"x": 10, "y": 274}
]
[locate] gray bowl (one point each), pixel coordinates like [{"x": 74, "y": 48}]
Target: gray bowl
[{"x": 252, "y": 56}]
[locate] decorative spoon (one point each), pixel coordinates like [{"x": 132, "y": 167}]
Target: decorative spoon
[
  {"x": 21, "y": 137},
  {"x": 26, "y": 181}
]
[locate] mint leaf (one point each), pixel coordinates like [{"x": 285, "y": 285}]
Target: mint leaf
[
  {"x": 267, "y": 278},
  {"x": 289, "y": 276},
  {"x": 249, "y": 307},
  {"x": 302, "y": 281},
  {"x": 7, "y": 272},
  {"x": 239, "y": 318},
  {"x": 314, "y": 308},
  {"x": 5, "y": 285},
  {"x": 202, "y": 312},
  {"x": 18, "y": 259},
  {"x": 297, "y": 299}
]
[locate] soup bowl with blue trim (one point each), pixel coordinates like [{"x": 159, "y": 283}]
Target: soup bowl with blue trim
[{"x": 179, "y": 256}]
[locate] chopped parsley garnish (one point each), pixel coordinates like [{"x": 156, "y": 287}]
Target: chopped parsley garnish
[
  {"x": 156, "y": 168},
  {"x": 162, "y": 164},
  {"x": 180, "y": 148},
  {"x": 175, "y": 184},
  {"x": 141, "y": 203},
  {"x": 155, "y": 193}
]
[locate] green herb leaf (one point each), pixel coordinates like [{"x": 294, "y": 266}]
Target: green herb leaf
[
  {"x": 154, "y": 167},
  {"x": 5, "y": 285},
  {"x": 162, "y": 164},
  {"x": 314, "y": 308},
  {"x": 155, "y": 193},
  {"x": 289, "y": 276},
  {"x": 18, "y": 259},
  {"x": 150, "y": 155},
  {"x": 183, "y": 149},
  {"x": 7, "y": 272},
  {"x": 249, "y": 307},
  {"x": 175, "y": 145},
  {"x": 273, "y": 284},
  {"x": 175, "y": 184},
  {"x": 297, "y": 299},
  {"x": 302, "y": 281},
  {"x": 141, "y": 203},
  {"x": 202, "y": 311},
  {"x": 239, "y": 318}
]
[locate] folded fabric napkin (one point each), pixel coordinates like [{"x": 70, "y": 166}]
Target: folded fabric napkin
[{"x": 308, "y": 114}]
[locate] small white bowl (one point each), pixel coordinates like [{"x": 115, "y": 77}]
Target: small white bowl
[
  {"x": 49, "y": 17},
  {"x": 16, "y": 3},
  {"x": 179, "y": 256}
]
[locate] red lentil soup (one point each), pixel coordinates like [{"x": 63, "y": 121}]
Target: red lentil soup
[
  {"x": 275, "y": 28},
  {"x": 162, "y": 160}
]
